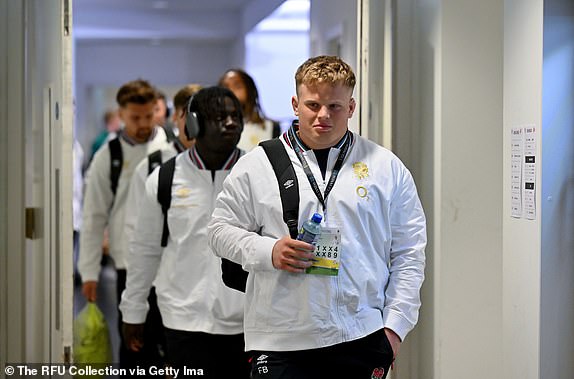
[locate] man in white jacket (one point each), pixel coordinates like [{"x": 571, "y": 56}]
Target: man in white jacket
[
  {"x": 299, "y": 322},
  {"x": 203, "y": 318},
  {"x": 153, "y": 332},
  {"x": 142, "y": 170},
  {"x": 104, "y": 199}
]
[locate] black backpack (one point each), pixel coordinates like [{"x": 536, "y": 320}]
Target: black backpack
[
  {"x": 117, "y": 161},
  {"x": 233, "y": 274}
]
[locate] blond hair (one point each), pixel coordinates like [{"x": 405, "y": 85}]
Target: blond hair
[{"x": 325, "y": 69}]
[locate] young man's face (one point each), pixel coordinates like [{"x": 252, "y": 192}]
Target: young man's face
[
  {"x": 324, "y": 111},
  {"x": 223, "y": 129},
  {"x": 138, "y": 120}
]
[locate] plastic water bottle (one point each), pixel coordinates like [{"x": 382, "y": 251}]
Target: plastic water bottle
[{"x": 311, "y": 229}]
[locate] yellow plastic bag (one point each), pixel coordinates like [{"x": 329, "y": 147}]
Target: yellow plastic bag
[{"x": 91, "y": 338}]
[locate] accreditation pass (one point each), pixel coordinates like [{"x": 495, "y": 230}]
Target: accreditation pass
[{"x": 327, "y": 253}]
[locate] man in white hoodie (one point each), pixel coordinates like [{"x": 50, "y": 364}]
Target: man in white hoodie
[
  {"x": 342, "y": 308},
  {"x": 106, "y": 184}
]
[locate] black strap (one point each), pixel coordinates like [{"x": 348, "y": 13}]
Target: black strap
[
  {"x": 169, "y": 134},
  {"x": 312, "y": 181},
  {"x": 287, "y": 180},
  {"x": 116, "y": 163},
  {"x": 233, "y": 274},
  {"x": 276, "y": 129},
  {"x": 153, "y": 160},
  {"x": 171, "y": 137},
  {"x": 164, "y": 184}
]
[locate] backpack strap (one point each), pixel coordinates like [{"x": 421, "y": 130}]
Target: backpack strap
[
  {"x": 232, "y": 273},
  {"x": 164, "y": 184},
  {"x": 169, "y": 134},
  {"x": 154, "y": 160},
  {"x": 276, "y": 129},
  {"x": 116, "y": 163},
  {"x": 287, "y": 180}
]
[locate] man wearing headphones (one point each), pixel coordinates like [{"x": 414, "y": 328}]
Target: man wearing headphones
[
  {"x": 203, "y": 318},
  {"x": 153, "y": 333}
]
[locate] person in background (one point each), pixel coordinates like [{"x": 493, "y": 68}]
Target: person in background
[
  {"x": 77, "y": 200},
  {"x": 203, "y": 318},
  {"x": 105, "y": 197},
  {"x": 257, "y": 127},
  {"x": 349, "y": 319},
  {"x": 113, "y": 124},
  {"x": 141, "y": 172},
  {"x": 161, "y": 117},
  {"x": 152, "y": 331}
]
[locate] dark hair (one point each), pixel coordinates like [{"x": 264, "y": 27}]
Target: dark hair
[
  {"x": 208, "y": 102},
  {"x": 252, "y": 110},
  {"x": 138, "y": 91}
]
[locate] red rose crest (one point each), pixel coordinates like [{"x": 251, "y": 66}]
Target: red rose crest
[{"x": 378, "y": 373}]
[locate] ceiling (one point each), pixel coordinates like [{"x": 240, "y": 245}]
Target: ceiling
[{"x": 193, "y": 20}]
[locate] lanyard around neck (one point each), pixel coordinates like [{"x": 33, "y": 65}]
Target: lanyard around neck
[{"x": 312, "y": 181}]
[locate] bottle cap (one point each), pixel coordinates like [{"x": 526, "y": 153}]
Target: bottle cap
[{"x": 317, "y": 218}]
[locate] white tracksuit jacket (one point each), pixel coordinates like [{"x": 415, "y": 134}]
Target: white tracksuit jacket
[
  {"x": 191, "y": 295},
  {"x": 137, "y": 190},
  {"x": 102, "y": 208},
  {"x": 375, "y": 203}
]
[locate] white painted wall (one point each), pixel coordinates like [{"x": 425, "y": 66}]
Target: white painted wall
[
  {"x": 334, "y": 22},
  {"x": 470, "y": 248},
  {"x": 334, "y": 19},
  {"x": 523, "y": 22},
  {"x": 36, "y": 282},
  {"x": 417, "y": 141},
  {"x": 448, "y": 125},
  {"x": 12, "y": 202}
]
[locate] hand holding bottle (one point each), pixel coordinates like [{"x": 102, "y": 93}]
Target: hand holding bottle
[
  {"x": 297, "y": 255},
  {"x": 292, "y": 255}
]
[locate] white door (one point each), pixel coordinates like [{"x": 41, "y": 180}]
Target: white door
[
  {"x": 375, "y": 50},
  {"x": 385, "y": 101},
  {"x": 36, "y": 197}
]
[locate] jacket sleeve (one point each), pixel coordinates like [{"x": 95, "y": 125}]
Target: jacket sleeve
[
  {"x": 233, "y": 229},
  {"x": 407, "y": 256},
  {"x": 98, "y": 200},
  {"x": 144, "y": 254}
]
